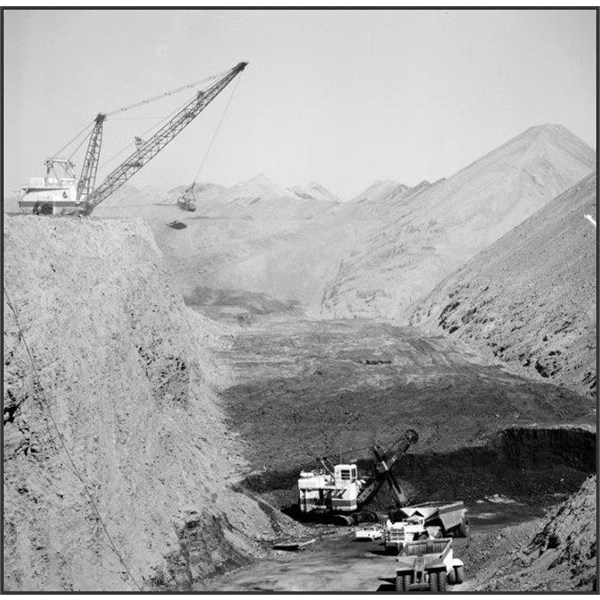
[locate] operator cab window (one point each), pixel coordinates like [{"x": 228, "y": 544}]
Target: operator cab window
[{"x": 348, "y": 474}]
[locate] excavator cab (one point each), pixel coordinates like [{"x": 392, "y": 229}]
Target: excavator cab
[{"x": 344, "y": 475}]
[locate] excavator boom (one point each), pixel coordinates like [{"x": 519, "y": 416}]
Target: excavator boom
[
  {"x": 145, "y": 150},
  {"x": 87, "y": 180}
]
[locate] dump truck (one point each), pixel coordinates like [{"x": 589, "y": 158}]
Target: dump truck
[
  {"x": 429, "y": 520},
  {"x": 396, "y": 534},
  {"x": 428, "y": 565}
]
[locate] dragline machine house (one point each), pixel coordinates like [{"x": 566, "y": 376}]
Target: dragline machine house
[{"x": 61, "y": 193}]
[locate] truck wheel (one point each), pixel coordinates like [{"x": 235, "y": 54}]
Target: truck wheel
[
  {"x": 460, "y": 574},
  {"x": 463, "y": 528},
  {"x": 442, "y": 581},
  {"x": 433, "y": 581},
  {"x": 401, "y": 583},
  {"x": 452, "y": 577}
]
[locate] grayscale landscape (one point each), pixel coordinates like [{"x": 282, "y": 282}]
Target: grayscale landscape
[{"x": 170, "y": 370}]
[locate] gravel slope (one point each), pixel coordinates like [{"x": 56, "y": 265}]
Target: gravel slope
[
  {"x": 555, "y": 554},
  {"x": 126, "y": 380},
  {"x": 431, "y": 230},
  {"x": 530, "y": 298}
]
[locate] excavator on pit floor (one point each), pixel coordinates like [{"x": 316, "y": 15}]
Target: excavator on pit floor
[
  {"x": 61, "y": 193},
  {"x": 337, "y": 494}
]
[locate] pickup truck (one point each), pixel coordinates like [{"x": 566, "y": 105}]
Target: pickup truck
[{"x": 428, "y": 565}]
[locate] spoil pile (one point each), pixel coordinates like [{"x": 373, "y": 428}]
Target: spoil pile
[
  {"x": 530, "y": 298},
  {"x": 117, "y": 464},
  {"x": 431, "y": 230},
  {"x": 557, "y": 554}
]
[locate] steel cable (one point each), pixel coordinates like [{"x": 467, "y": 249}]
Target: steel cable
[
  {"x": 88, "y": 126},
  {"x": 130, "y": 145},
  {"x": 165, "y": 94},
  {"x": 210, "y": 145}
]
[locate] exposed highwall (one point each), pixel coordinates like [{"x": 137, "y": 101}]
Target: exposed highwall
[{"x": 117, "y": 465}]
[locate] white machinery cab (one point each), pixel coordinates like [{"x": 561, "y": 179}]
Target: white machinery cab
[
  {"x": 325, "y": 491},
  {"x": 48, "y": 196}
]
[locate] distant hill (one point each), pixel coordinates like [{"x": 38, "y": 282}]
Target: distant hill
[
  {"x": 314, "y": 191},
  {"x": 370, "y": 256},
  {"x": 428, "y": 231},
  {"x": 255, "y": 236},
  {"x": 530, "y": 298},
  {"x": 257, "y": 198}
]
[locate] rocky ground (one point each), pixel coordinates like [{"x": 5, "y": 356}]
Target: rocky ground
[
  {"x": 188, "y": 484},
  {"x": 150, "y": 447},
  {"x": 112, "y": 426},
  {"x": 304, "y": 389},
  {"x": 557, "y": 553},
  {"x": 530, "y": 298},
  {"x": 512, "y": 548}
]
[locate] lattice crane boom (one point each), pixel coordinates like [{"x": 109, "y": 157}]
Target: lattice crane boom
[
  {"x": 87, "y": 180},
  {"x": 146, "y": 150}
]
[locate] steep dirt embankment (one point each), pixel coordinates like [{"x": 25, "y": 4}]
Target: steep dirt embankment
[
  {"x": 530, "y": 298},
  {"x": 107, "y": 382},
  {"x": 557, "y": 553},
  {"x": 434, "y": 229}
]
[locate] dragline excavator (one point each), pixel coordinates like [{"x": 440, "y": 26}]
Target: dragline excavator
[{"x": 59, "y": 192}]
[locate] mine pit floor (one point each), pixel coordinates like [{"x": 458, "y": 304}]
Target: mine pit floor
[
  {"x": 305, "y": 388},
  {"x": 337, "y": 562}
]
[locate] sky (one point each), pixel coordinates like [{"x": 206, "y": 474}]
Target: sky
[{"x": 342, "y": 98}]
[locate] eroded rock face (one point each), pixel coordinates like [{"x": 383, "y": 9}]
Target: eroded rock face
[
  {"x": 559, "y": 556},
  {"x": 567, "y": 545},
  {"x": 108, "y": 383},
  {"x": 530, "y": 298}
]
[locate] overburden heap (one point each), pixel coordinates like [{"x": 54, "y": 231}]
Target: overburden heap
[{"x": 117, "y": 462}]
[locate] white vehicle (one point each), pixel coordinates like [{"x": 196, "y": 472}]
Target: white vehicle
[
  {"x": 57, "y": 194},
  {"x": 338, "y": 493},
  {"x": 397, "y": 534},
  {"x": 427, "y": 521},
  {"x": 428, "y": 565},
  {"x": 369, "y": 533}
]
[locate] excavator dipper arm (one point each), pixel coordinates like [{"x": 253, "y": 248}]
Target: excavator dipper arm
[{"x": 384, "y": 472}]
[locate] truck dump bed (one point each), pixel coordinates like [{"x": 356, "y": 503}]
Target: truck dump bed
[{"x": 422, "y": 547}]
